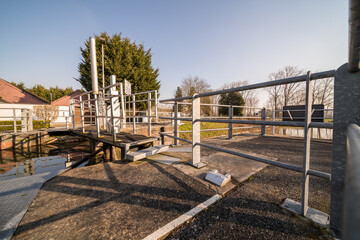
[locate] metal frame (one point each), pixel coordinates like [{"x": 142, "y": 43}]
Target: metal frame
[{"x": 307, "y": 124}]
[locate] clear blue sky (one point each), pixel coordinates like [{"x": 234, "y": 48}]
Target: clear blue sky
[{"x": 220, "y": 41}]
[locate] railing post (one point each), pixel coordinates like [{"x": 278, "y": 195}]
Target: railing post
[
  {"x": 72, "y": 112},
  {"x": 30, "y": 120},
  {"x": 112, "y": 120},
  {"x": 14, "y": 116},
  {"x": 306, "y": 161},
  {"x": 346, "y": 111},
  {"x": 176, "y": 134},
  {"x": 67, "y": 122},
  {"x": 90, "y": 108},
  {"x": 156, "y": 105},
  {"x": 230, "y": 125},
  {"x": 149, "y": 114},
  {"x": 44, "y": 118},
  {"x": 273, "y": 119},
  {"x": 133, "y": 113},
  {"x": 196, "y": 154},
  {"x": 82, "y": 114},
  {"x": 263, "y": 118},
  {"x": 123, "y": 114},
  {"x": 97, "y": 122}
]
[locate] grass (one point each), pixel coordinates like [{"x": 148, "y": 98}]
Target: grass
[
  {"x": 208, "y": 134},
  {"x": 37, "y": 124}
]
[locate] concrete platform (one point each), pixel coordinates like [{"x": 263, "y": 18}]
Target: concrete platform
[{"x": 111, "y": 201}]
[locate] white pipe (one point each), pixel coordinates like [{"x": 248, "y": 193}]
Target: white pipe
[{"x": 94, "y": 76}]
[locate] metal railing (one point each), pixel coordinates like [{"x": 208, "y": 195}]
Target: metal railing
[
  {"x": 196, "y": 119},
  {"x": 112, "y": 110},
  {"x": 17, "y": 114},
  {"x": 352, "y": 184}
]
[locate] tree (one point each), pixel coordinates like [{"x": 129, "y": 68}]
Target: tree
[
  {"x": 124, "y": 59},
  {"x": 45, "y": 93},
  {"x": 249, "y": 96},
  {"x": 283, "y": 95},
  {"x": 232, "y": 98},
  {"x": 178, "y": 94},
  {"x": 191, "y": 85}
]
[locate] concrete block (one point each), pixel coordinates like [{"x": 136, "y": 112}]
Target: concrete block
[
  {"x": 135, "y": 156},
  {"x": 314, "y": 215},
  {"x": 215, "y": 177}
]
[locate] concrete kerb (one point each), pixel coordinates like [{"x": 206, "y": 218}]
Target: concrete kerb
[{"x": 168, "y": 228}]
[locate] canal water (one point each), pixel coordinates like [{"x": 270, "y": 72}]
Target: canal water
[
  {"x": 319, "y": 133},
  {"x": 16, "y": 163}
]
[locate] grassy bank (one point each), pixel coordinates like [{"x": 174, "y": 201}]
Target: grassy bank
[
  {"x": 36, "y": 125},
  {"x": 211, "y": 134}
]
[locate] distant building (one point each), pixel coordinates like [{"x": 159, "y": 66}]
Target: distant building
[
  {"x": 12, "y": 97},
  {"x": 12, "y": 94}
]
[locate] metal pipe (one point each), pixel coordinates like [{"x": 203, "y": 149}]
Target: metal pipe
[
  {"x": 354, "y": 36},
  {"x": 94, "y": 77},
  {"x": 301, "y": 78},
  {"x": 351, "y": 228}
]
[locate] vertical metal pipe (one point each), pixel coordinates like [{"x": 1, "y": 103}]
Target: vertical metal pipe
[
  {"x": 354, "y": 36},
  {"x": 156, "y": 105},
  {"x": 306, "y": 161},
  {"x": 82, "y": 114},
  {"x": 72, "y": 112},
  {"x": 195, "y": 132},
  {"x": 90, "y": 107},
  {"x": 103, "y": 66},
  {"x": 273, "y": 119},
  {"x": 176, "y": 134},
  {"x": 230, "y": 125},
  {"x": 263, "y": 118},
  {"x": 123, "y": 119},
  {"x": 94, "y": 76},
  {"x": 112, "y": 120},
  {"x": 149, "y": 114},
  {"x": 14, "y": 116},
  {"x": 44, "y": 118},
  {"x": 97, "y": 122},
  {"x": 133, "y": 106}
]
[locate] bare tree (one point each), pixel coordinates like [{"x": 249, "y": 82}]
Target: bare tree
[
  {"x": 191, "y": 85},
  {"x": 286, "y": 94},
  {"x": 323, "y": 92}
]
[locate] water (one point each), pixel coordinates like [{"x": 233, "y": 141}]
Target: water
[
  {"x": 39, "y": 159},
  {"x": 319, "y": 133}
]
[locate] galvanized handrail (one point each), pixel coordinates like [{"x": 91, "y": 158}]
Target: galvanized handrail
[
  {"x": 351, "y": 228},
  {"x": 307, "y": 124}
]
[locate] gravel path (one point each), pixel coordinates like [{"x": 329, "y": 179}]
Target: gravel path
[{"x": 252, "y": 210}]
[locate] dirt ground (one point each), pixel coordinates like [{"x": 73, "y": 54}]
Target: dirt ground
[
  {"x": 129, "y": 201},
  {"x": 252, "y": 210}
]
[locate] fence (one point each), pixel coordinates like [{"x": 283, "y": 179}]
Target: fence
[
  {"x": 18, "y": 114},
  {"x": 196, "y": 119},
  {"x": 108, "y": 110}
]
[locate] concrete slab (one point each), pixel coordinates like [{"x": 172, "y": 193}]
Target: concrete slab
[
  {"x": 318, "y": 217},
  {"x": 138, "y": 155},
  {"x": 239, "y": 168},
  {"x": 164, "y": 159}
]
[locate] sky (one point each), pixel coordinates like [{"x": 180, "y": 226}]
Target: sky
[{"x": 219, "y": 41}]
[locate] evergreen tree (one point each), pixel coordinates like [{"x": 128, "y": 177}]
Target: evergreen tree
[
  {"x": 122, "y": 58},
  {"x": 232, "y": 98},
  {"x": 178, "y": 94}
]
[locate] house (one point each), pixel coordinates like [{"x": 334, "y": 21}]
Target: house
[{"x": 12, "y": 97}]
